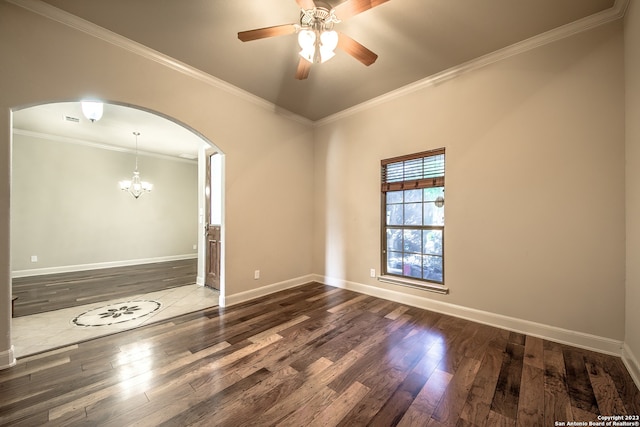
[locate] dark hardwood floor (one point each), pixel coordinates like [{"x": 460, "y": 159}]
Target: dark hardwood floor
[
  {"x": 37, "y": 294},
  {"x": 316, "y": 356}
]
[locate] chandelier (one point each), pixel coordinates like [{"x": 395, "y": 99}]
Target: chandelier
[{"x": 135, "y": 186}]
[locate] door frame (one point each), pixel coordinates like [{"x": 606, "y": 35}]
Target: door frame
[{"x": 206, "y": 191}]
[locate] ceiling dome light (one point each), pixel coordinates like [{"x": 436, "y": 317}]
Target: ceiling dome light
[{"x": 92, "y": 110}]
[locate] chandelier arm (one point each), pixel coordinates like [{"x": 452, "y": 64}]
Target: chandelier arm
[{"x": 136, "y": 134}]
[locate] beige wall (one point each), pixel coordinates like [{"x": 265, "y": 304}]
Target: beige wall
[
  {"x": 67, "y": 208},
  {"x": 632, "y": 73},
  {"x": 268, "y": 156},
  {"x": 534, "y": 184},
  {"x": 535, "y": 171}
]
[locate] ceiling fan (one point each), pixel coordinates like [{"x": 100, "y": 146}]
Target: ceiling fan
[{"x": 316, "y": 36}]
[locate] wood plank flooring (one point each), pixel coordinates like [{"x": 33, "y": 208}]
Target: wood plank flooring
[
  {"x": 38, "y": 294},
  {"x": 316, "y": 356}
]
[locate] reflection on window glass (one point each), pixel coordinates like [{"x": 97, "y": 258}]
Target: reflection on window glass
[
  {"x": 432, "y": 268},
  {"x": 431, "y": 194},
  {"x": 413, "y": 214},
  {"x": 432, "y": 241},
  {"x": 394, "y": 263},
  {"x": 412, "y": 241},
  {"x": 412, "y": 266},
  {"x": 395, "y": 214},
  {"x": 394, "y": 239},
  {"x": 394, "y": 197},
  {"x": 433, "y": 215},
  {"x": 412, "y": 196}
]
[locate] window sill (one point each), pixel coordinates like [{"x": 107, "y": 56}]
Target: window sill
[{"x": 424, "y": 286}]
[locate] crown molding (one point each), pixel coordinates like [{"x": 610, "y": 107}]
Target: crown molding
[
  {"x": 85, "y": 143},
  {"x": 87, "y": 27},
  {"x": 617, "y": 11}
]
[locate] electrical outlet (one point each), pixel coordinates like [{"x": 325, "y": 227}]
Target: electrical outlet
[
  {"x": 372, "y": 272},
  {"x": 256, "y": 274},
  {"x": 34, "y": 258},
  {"x": 195, "y": 246}
]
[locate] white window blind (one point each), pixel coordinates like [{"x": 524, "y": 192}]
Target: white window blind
[{"x": 421, "y": 170}]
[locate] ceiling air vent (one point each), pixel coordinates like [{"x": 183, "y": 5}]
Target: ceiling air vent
[{"x": 71, "y": 119}]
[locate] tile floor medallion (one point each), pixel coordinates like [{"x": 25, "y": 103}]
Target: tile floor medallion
[
  {"x": 116, "y": 313},
  {"x": 55, "y": 329}
]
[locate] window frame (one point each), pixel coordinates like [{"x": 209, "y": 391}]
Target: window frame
[{"x": 427, "y": 178}]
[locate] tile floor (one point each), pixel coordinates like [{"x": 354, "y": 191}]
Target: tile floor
[{"x": 46, "y": 331}]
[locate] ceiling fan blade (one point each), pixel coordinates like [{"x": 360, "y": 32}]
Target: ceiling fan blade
[
  {"x": 304, "y": 67},
  {"x": 356, "y": 50},
  {"x": 353, "y": 7},
  {"x": 306, "y": 4},
  {"x": 263, "y": 33}
]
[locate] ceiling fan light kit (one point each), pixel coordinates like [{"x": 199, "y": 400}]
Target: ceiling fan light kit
[
  {"x": 316, "y": 37},
  {"x": 317, "y": 49}
]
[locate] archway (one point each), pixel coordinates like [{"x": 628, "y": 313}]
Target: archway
[{"x": 127, "y": 231}]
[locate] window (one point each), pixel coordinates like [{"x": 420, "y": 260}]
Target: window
[{"x": 413, "y": 217}]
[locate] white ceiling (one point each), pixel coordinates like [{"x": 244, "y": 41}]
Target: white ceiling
[
  {"x": 114, "y": 130},
  {"x": 415, "y": 40}
]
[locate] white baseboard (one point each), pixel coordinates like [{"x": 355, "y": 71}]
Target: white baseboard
[
  {"x": 548, "y": 332},
  {"x": 98, "y": 265},
  {"x": 229, "y": 300},
  {"x": 632, "y": 364},
  {"x": 7, "y": 359}
]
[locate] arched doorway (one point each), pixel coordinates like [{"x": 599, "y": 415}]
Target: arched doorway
[{"x": 69, "y": 214}]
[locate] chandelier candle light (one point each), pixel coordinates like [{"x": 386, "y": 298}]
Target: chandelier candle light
[{"x": 135, "y": 186}]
